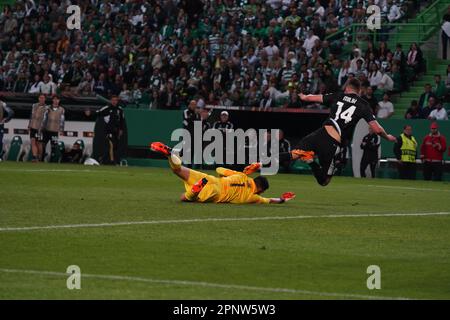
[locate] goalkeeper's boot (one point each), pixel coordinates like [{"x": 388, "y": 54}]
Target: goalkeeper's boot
[
  {"x": 252, "y": 168},
  {"x": 161, "y": 148},
  {"x": 199, "y": 185},
  {"x": 305, "y": 156}
]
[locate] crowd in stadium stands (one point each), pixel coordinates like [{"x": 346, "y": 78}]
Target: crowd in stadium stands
[
  {"x": 163, "y": 53},
  {"x": 430, "y": 105}
]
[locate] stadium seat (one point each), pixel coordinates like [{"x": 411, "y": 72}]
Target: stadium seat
[
  {"x": 58, "y": 152},
  {"x": 15, "y": 149},
  {"x": 81, "y": 143}
]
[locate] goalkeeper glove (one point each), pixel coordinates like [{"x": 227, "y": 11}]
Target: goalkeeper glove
[
  {"x": 199, "y": 185},
  {"x": 287, "y": 196}
]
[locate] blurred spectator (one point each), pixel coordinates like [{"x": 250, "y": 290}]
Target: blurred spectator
[
  {"x": 75, "y": 154},
  {"x": 225, "y": 47},
  {"x": 224, "y": 124},
  {"x": 415, "y": 59},
  {"x": 405, "y": 150},
  {"x": 169, "y": 98},
  {"x": 370, "y": 144},
  {"x": 413, "y": 111},
  {"x": 385, "y": 108},
  {"x": 386, "y": 82},
  {"x": 399, "y": 56},
  {"x": 394, "y": 11},
  {"x": 432, "y": 103},
  {"x": 86, "y": 86},
  {"x": 285, "y": 146},
  {"x": 267, "y": 102},
  {"x": 438, "y": 113},
  {"x": 445, "y": 33},
  {"x": 47, "y": 86},
  {"x": 125, "y": 94},
  {"x": 424, "y": 97},
  {"x": 190, "y": 116},
  {"x": 431, "y": 153},
  {"x": 294, "y": 101},
  {"x": 34, "y": 85},
  {"x": 114, "y": 121},
  {"x": 439, "y": 88},
  {"x": 155, "y": 100},
  {"x": 447, "y": 82},
  {"x": 52, "y": 125},
  {"x": 374, "y": 76},
  {"x": 371, "y": 99},
  {"x": 37, "y": 116},
  {"x": 6, "y": 114},
  {"x": 343, "y": 72}
]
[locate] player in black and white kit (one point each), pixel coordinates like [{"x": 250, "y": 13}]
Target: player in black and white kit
[{"x": 346, "y": 109}]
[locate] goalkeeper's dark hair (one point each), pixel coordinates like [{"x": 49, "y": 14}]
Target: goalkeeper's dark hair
[{"x": 261, "y": 183}]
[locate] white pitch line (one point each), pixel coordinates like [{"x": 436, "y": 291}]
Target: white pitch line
[
  {"x": 195, "y": 220},
  {"x": 408, "y": 188},
  {"x": 60, "y": 170},
  {"x": 206, "y": 284}
]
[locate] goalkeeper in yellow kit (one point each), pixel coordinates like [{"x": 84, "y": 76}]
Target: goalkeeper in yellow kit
[{"x": 229, "y": 187}]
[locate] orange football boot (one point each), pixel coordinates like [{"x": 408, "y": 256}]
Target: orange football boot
[
  {"x": 161, "y": 148},
  {"x": 305, "y": 156},
  {"x": 252, "y": 168}
]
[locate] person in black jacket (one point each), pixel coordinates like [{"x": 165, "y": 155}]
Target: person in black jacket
[
  {"x": 369, "y": 144},
  {"x": 190, "y": 115},
  {"x": 114, "y": 119},
  {"x": 285, "y": 146},
  {"x": 225, "y": 125}
]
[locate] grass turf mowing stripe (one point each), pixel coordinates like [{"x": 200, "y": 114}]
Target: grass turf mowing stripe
[
  {"x": 205, "y": 284},
  {"x": 129, "y": 223}
]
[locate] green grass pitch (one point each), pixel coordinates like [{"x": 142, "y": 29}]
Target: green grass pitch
[{"x": 215, "y": 252}]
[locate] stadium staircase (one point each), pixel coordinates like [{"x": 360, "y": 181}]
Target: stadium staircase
[
  {"x": 434, "y": 66},
  {"x": 425, "y": 30}
]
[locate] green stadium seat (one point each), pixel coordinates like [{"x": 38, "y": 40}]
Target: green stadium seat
[
  {"x": 15, "y": 149},
  {"x": 81, "y": 143},
  {"x": 57, "y": 153}
]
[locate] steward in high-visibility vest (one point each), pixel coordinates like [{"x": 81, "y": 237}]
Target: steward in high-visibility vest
[
  {"x": 408, "y": 148},
  {"x": 405, "y": 151}
]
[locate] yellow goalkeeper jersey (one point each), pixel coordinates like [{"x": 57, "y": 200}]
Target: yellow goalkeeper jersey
[{"x": 230, "y": 187}]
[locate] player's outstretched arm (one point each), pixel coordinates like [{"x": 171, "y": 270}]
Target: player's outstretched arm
[
  {"x": 379, "y": 130},
  {"x": 287, "y": 196},
  {"x": 311, "y": 97}
]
